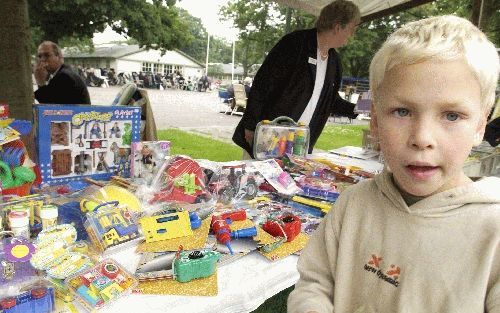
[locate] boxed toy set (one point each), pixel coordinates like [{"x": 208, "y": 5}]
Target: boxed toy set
[
  {"x": 147, "y": 159},
  {"x": 85, "y": 141},
  {"x": 281, "y": 136}
]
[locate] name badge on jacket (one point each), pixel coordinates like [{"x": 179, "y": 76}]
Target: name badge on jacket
[{"x": 312, "y": 61}]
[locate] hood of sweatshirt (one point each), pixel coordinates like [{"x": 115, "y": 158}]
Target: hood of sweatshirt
[{"x": 449, "y": 202}]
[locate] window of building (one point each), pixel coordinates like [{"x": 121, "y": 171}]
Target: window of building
[
  {"x": 179, "y": 68},
  {"x": 146, "y": 67},
  {"x": 157, "y": 68},
  {"x": 168, "y": 69}
]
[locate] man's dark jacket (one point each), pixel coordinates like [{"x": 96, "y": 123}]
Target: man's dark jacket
[
  {"x": 66, "y": 87},
  {"x": 285, "y": 82}
]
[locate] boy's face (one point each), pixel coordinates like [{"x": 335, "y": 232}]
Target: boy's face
[{"x": 427, "y": 117}]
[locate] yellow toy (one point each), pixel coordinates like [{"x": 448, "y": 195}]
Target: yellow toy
[{"x": 166, "y": 226}]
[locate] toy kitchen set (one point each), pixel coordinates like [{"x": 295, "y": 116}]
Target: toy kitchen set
[{"x": 77, "y": 141}]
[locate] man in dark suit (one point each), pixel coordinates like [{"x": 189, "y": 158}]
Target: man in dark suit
[{"x": 57, "y": 83}]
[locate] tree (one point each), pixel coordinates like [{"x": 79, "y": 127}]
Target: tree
[
  {"x": 15, "y": 63},
  {"x": 154, "y": 24},
  {"x": 260, "y": 24}
]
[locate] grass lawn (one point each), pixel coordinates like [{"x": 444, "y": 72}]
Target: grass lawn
[
  {"x": 336, "y": 136},
  {"x": 201, "y": 147}
]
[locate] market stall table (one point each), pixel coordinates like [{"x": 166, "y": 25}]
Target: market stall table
[{"x": 243, "y": 286}]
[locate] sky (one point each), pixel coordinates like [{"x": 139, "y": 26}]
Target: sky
[{"x": 206, "y": 10}]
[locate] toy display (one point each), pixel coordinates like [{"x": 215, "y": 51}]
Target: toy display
[
  {"x": 147, "y": 159},
  {"x": 189, "y": 265},
  {"x": 37, "y": 299},
  {"x": 85, "y": 141},
  {"x": 281, "y": 136},
  {"x": 170, "y": 225},
  {"x": 15, "y": 268},
  {"x": 101, "y": 284},
  {"x": 287, "y": 226},
  {"x": 110, "y": 226},
  {"x": 180, "y": 179},
  {"x": 234, "y": 183},
  {"x": 275, "y": 175}
]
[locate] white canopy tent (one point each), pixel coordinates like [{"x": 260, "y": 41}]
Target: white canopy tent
[{"x": 370, "y": 9}]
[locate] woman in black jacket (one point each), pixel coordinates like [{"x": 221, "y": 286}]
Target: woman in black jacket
[{"x": 287, "y": 85}]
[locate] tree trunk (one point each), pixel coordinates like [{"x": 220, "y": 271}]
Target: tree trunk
[{"x": 16, "y": 86}]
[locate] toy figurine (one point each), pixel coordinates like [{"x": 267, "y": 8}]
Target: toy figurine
[
  {"x": 102, "y": 165},
  {"x": 115, "y": 130},
  {"x": 79, "y": 141},
  {"x": 147, "y": 157},
  {"x": 96, "y": 131}
]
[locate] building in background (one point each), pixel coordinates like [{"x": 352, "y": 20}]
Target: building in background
[{"x": 132, "y": 58}]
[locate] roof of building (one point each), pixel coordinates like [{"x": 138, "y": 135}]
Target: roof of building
[
  {"x": 104, "y": 51},
  {"x": 115, "y": 51}
]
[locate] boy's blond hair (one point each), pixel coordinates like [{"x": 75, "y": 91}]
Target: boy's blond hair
[{"x": 445, "y": 37}]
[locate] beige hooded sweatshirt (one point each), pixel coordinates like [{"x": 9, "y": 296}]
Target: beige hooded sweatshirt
[{"x": 373, "y": 253}]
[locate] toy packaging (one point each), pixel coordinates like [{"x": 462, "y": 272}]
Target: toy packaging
[
  {"x": 85, "y": 141},
  {"x": 234, "y": 181},
  {"x": 36, "y": 298},
  {"x": 180, "y": 179},
  {"x": 111, "y": 226},
  {"x": 148, "y": 157},
  {"x": 101, "y": 284},
  {"x": 281, "y": 136}
]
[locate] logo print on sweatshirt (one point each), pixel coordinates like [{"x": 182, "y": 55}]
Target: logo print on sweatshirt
[{"x": 391, "y": 275}]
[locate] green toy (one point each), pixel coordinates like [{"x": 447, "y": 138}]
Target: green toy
[
  {"x": 6, "y": 175},
  {"x": 187, "y": 181},
  {"x": 127, "y": 134}
]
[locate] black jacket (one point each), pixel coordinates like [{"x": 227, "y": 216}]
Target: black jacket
[
  {"x": 285, "y": 82},
  {"x": 66, "y": 87}
]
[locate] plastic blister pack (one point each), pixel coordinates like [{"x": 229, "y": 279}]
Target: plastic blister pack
[
  {"x": 103, "y": 283},
  {"x": 180, "y": 179},
  {"x": 281, "y": 136},
  {"x": 110, "y": 226},
  {"x": 235, "y": 181}
]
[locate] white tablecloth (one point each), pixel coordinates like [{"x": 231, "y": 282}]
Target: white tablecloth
[{"x": 243, "y": 286}]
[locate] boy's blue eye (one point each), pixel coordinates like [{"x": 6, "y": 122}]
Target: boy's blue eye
[
  {"x": 401, "y": 112},
  {"x": 451, "y": 116}
]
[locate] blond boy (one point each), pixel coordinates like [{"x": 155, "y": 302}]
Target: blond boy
[{"x": 421, "y": 236}]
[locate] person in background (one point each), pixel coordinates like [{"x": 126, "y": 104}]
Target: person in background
[
  {"x": 421, "y": 236},
  {"x": 301, "y": 76},
  {"x": 247, "y": 82},
  {"x": 57, "y": 83}
]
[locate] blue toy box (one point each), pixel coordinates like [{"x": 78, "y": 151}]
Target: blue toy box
[{"x": 77, "y": 141}]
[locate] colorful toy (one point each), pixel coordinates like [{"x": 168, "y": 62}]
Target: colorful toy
[
  {"x": 81, "y": 143},
  {"x": 234, "y": 181},
  {"x": 36, "y": 300},
  {"x": 189, "y": 265},
  {"x": 287, "y": 226},
  {"x": 101, "y": 284},
  {"x": 166, "y": 226},
  {"x": 183, "y": 180},
  {"x": 148, "y": 158},
  {"x": 222, "y": 232},
  {"x": 110, "y": 226},
  {"x": 274, "y": 139}
]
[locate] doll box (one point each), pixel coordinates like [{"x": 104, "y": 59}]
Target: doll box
[
  {"x": 77, "y": 141},
  {"x": 147, "y": 158},
  {"x": 281, "y": 136}
]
